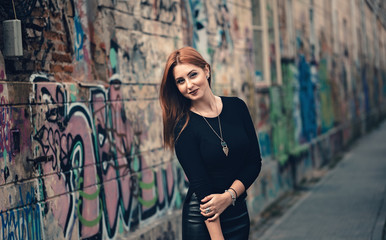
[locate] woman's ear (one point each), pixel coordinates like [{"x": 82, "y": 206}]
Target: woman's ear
[{"x": 207, "y": 71}]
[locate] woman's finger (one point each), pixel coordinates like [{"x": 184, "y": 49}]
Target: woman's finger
[
  {"x": 207, "y": 198},
  {"x": 209, "y": 209},
  {"x": 205, "y": 206},
  {"x": 207, "y": 212},
  {"x": 214, "y": 217}
]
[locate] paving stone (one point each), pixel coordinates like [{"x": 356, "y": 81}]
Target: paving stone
[{"x": 348, "y": 203}]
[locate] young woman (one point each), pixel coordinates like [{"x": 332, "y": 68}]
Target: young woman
[{"x": 216, "y": 144}]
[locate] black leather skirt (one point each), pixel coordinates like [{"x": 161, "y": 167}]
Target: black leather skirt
[{"x": 234, "y": 221}]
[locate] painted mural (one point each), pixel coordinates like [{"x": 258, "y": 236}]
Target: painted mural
[
  {"x": 87, "y": 157},
  {"x": 81, "y": 153}
]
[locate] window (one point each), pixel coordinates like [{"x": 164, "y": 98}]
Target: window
[{"x": 266, "y": 42}]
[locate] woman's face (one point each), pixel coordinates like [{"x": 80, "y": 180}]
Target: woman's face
[{"x": 191, "y": 80}]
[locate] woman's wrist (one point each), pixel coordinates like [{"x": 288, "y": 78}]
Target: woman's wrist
[
  {"x": 214, "y": 228},
  {"x": 234, "y": 191},
  {"x": 233, "y": 196}
]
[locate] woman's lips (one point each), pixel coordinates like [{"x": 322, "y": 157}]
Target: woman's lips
[{"x": 193, "y": 92}]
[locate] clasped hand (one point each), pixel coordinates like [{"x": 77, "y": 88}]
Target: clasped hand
[{"x": 214, "y": 205}]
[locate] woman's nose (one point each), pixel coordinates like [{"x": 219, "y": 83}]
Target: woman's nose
[{"x": 189, "y": 84}]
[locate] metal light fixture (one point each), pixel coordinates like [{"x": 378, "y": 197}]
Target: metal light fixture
[{"x": 13, "y": 46}]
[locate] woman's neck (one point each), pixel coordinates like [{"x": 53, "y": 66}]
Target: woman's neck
[{"x": 207, "y": 106}]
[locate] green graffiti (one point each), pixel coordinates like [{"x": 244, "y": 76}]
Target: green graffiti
[
  {"x": 289, "y": 74},
  {"x": 178, "y": 199},
  {"x": 75, "y": 160},
  {"x": 88, "y": 196},
  {"x": 78, "y": 144},
  {"x": 135, "y": 164},
  {"x": 148, "y": 203},
  {"x": 5, "y": 157},
  {"x": 89, "y": 223},
  {"x": 41, "y": 190},
  {"x": 326, "y": 111},
  {"x": 147, "y": 186},
  {"x": 113, "y": 58},
  {"x": 73, "y": 90},
  {"x": 144, "y": 185},
  {"x": 120, "y": 227},
  {"x": 279, "y": 130}
]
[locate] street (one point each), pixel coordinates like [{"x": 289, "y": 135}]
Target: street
[{"x": 349, "y": 202}]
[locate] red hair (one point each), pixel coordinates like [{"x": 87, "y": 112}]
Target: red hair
[{"x": 174, "y": 105}]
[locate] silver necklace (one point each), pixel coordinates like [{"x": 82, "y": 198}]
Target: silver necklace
[{"x": 223, "y": 143}]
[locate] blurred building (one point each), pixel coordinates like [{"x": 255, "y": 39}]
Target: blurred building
[{"x": 81, "y": 153}]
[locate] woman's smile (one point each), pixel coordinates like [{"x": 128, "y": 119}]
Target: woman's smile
[
  {"x": 191, "y": 80},
  {"x": 194, "y": 92}
]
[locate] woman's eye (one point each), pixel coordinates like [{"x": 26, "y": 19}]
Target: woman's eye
[
  {"x": 193, "y": 75},
  {"x": 179, "y": 81}
]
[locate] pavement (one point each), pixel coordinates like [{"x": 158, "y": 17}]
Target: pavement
[{"x": 348, "y": 202}]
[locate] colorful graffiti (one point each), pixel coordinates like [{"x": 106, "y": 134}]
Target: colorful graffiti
[
  {"x": 277, "y": 120},
  {"x": 197, "y": 16},
  {"x": 81, "y": 152},
  {"x": 96, "y": 152},
  {"x": 326, "y": 111},
  {"x": 291, "y": 105},
  {"x": 25, "y": 222},
  {"x": 93, "y": 150},
  {"x": 81, "y": 41},
  {"x": 164, "y": 11},
  {"x": 307, "y": 100},
  {"x": 263, "y": 126},
  {"x": 5, "y": 121},
  {"x": 5, "y": 134}
]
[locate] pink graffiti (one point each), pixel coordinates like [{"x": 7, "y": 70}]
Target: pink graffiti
[
  {"x": 68, "y": 149},
  {"x": 107, "y": 160},
  {"x": 123, "y": 137},
  {"x": 6, "y": 123},
  {"x": 94, "y": 152}
]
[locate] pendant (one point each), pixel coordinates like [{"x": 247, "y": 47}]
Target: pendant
[{"x": 225, "y": 147}]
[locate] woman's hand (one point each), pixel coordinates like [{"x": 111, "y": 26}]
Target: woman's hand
[{"x": 216, "y": 204}]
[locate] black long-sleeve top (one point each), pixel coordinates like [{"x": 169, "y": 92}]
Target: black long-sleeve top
[{"x": 200, "y": 153}]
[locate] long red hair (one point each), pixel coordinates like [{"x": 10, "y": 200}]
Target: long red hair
[{"x": 174, "y": 105}]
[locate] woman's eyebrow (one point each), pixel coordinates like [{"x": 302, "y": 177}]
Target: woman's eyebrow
[
  {"x": 191, "y": 72},
  {"x": 187, "y": 74}
]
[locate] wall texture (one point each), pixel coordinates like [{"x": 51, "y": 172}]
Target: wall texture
[{"x": 80, "y": 124}]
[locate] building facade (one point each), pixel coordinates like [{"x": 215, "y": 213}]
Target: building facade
[{"x": 81, "y": 152}]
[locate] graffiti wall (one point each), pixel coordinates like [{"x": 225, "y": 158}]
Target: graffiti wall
[
  {"x": 81, "y": 152},
  {"x": 87, "y": 168},
  {"x": 81, "y": 148},
  {"x": 329, "y": 91}
]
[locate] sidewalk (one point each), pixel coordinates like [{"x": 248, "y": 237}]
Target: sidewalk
[{"x": 349, "y": 202}]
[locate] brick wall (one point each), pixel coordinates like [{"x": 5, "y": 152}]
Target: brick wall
[{"x": 80, "y": 124}]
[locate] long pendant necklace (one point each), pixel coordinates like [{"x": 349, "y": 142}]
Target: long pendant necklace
[{"x": 223, "y": 143}]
